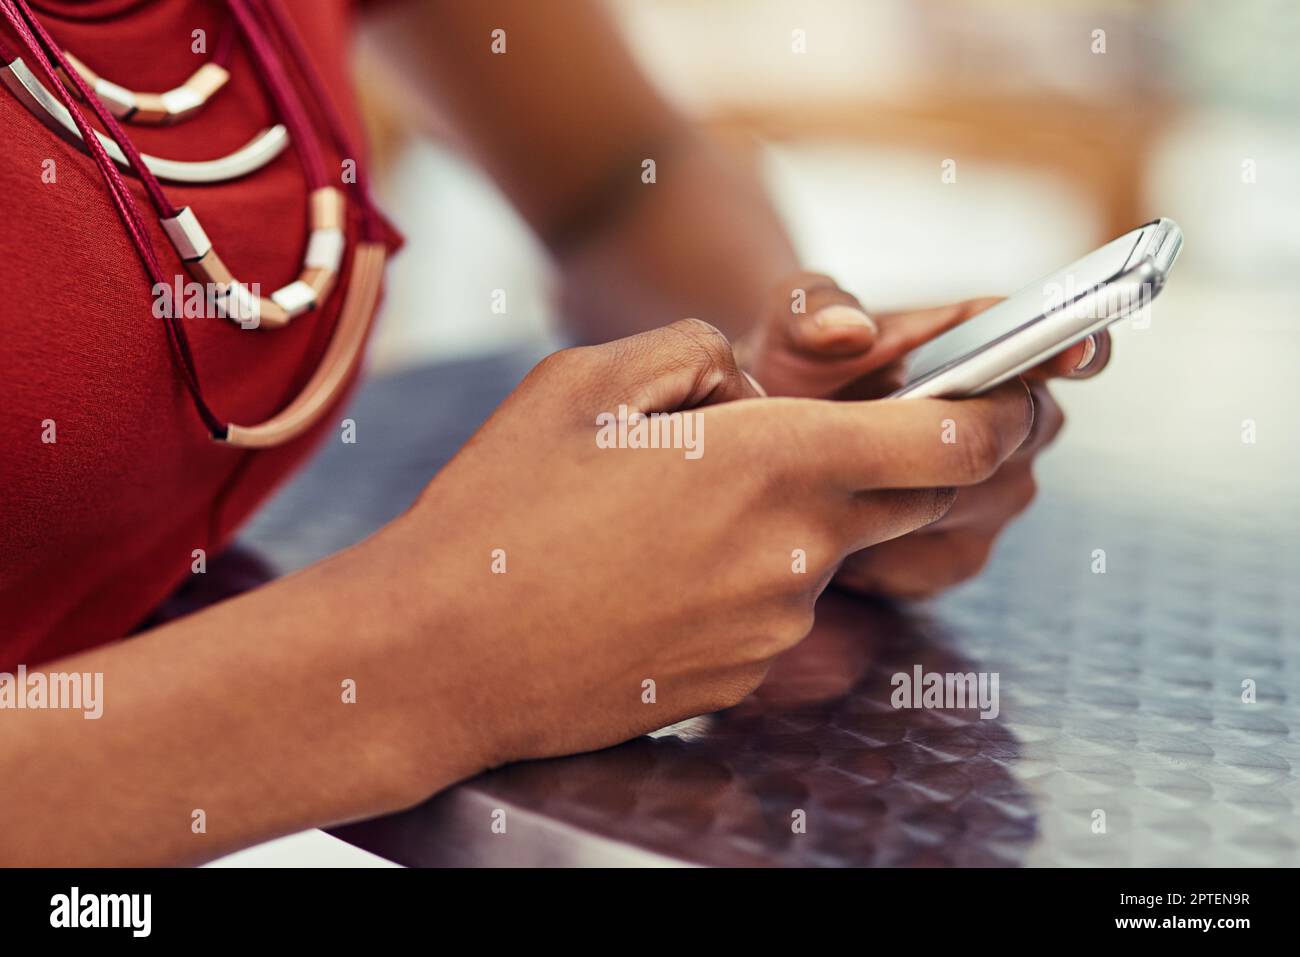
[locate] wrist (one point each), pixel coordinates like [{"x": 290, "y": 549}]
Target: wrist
[{"x": 424, "y": 663}]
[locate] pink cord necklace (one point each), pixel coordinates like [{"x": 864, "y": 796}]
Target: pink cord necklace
[{"x": 262, "y": 23}]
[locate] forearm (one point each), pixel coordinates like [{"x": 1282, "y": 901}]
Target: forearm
[
  {"x": 239, "y": 712},
  {"x": 702, "y": 241}
]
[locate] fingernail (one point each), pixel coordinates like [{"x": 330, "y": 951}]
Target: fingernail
[
  {"x": 1033, "y": 410},
  {"x": 754, "y": 382},
  {"x": 843, "y": 317},
  {"x": 1089, "y": 353}
]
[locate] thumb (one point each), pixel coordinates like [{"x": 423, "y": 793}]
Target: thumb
[
  {"x": 827, "y": 321},
  {"x": 813, "y": 350}
]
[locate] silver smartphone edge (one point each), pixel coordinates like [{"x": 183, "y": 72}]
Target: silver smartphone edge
[{"x": 1141, "y": 279}]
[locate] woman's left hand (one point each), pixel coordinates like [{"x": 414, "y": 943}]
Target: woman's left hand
[{"x": 830, "y": 348}]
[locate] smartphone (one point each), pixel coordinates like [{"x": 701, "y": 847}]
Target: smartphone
[{"x": 1046, "y": 317}]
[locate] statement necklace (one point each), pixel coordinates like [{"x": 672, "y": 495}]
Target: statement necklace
[
  {"x": 156, "y": 109},
  {"x": 145, "y": 108},
  {"x": 263, "y": 24},
  {"x": 37, "y": 97}
]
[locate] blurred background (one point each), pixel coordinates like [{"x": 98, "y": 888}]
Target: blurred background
[{"x": 1190, "y": 112}]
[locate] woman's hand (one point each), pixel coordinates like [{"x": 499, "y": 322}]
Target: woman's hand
[
  {"x": 815, "y": 340},
  {"x": 634, "y": 587},
  {"x": 831, "y": 349},
  {"x": 544, "y": 595}
]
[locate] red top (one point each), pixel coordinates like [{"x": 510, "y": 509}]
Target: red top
[{"x": 98, "y": 526}]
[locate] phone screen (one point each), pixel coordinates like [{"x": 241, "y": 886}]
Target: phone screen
[{"x": 1023, "y": 307}]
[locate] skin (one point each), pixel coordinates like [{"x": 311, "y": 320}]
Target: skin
[{"x": 237, "y": 710}]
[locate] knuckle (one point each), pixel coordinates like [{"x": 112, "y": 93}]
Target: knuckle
[
  {"x": 710, "y": 351},
  {"x": 547, "y": 366},
  {"x": 558, "y": 363},
  {"x": 570, "y": 379},
  {"x": 544, "y": 376},
  {"x": 708, "y": 337}
]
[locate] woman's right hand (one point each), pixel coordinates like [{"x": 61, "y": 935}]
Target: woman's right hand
[{"x": 562, "y": 578}]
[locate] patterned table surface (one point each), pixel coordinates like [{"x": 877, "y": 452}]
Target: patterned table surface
[{"x": 1120, "y": 694}]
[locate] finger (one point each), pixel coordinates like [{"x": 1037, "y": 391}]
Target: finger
[
  {"x": 1048, "y": 422},
  {"x": 813, "y": 339},
  {"x": 908, "y": 443},
  {"x": 916, "y": 566},
  {"x": 789, "y": 369},
  {"x": 876, "y": 517},
  {"x": 989, "y": 506},
  {"x": 1083, "y": 360},
  {"x": 825, "y": 321},
  {"x": 683, "y": 365},
  {"x": 1090, "y": 366}
]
